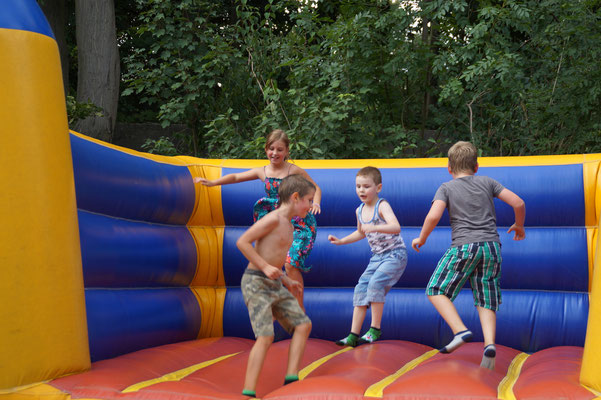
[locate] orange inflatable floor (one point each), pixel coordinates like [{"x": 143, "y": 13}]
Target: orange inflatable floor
[{"x": 390, "y": 369}]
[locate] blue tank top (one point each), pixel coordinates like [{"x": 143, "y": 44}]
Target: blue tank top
[{"x": 378, "y": 241}]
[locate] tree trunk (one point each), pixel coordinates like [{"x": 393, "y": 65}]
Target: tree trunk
[
  {"x": 98, "y": 72},
  {"x": 56, "y": 14}
]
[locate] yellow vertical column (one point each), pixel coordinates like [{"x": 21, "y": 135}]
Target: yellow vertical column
[
  {"x": 43, "y": 333},
  {"x": 590, "y": 373},
  {"x": 206, "y": 225}
]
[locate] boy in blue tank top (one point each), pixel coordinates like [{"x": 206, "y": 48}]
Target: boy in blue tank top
[
  {"x": 475, "y": 251},
  {"x": 377, "y": 222}
]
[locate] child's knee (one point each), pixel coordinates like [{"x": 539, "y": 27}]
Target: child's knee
[
  {"x": 303, "y": 329},
  {"x": 264, "y": 341}
]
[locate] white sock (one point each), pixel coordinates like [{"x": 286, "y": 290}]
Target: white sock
[
  {"x": 459, "y": 339},
  {"x": 489, "y": 357}
]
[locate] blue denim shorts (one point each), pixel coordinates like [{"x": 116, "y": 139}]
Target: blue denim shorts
[{"x": 382, "y": 272}]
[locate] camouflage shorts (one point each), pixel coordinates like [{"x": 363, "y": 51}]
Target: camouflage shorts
[{"x": 267, "y": 298}]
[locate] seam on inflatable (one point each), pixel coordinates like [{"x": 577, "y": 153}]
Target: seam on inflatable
[
  {"x": 593, "y": 391},
  {"x": 302, "y": 374},
  {"x": 377, "y": 389},
  {"x": 176, "y": 375},
  {"x": 505, "y": 389}
]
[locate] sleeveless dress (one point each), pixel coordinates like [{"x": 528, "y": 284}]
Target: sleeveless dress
[{"x": 304, "y": 228}]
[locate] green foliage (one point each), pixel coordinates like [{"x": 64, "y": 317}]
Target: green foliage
[
  {"x": 163, "y": 146},
  {"x": 77, "y": 111},
  {"x": 529, "y": 71},
  {"x": 355, "y": 79}
]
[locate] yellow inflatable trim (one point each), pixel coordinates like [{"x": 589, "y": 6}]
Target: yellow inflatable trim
[
  {"x": 505, "y": 389},
  {"x": 207, "y": 210},
  {"x": 176, "y": 375},
  {"x": 590, "y": 372},
  {"x": 377, "y": 389},
  {"x": 210, "y": 301},
  {"x": 35, "y": 391},
  {"x": 403, "y": 163},
  {"x": 209, "y": 250},
  {"x": 302, "y": 374}
]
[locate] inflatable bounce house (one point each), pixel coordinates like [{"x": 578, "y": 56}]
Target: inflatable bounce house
[{"x": 120, "y": 278}]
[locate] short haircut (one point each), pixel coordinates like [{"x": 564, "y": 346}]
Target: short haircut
[
  {"x": 274, "y": 136},
  {"x": 294, "y": 183},
  {"x": 371, "y": 172},
  {"x": 463, "y": 157}
]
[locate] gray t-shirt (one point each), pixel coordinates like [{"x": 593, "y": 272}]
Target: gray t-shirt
[{"x": 470, "y": 201}]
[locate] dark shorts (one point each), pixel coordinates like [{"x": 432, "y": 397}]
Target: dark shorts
[
  {"x": 267, "y": 298},
  {"x": 480, "y": 262}
]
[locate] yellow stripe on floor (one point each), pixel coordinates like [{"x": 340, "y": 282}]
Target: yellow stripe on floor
[
  {"x": 593, "y": 391},
  {"x": 176, "y": 375},
  {"x": 505, "y": 389},
  {"x": 315, "y": 364},
  {"x": 377, "y": 389}
]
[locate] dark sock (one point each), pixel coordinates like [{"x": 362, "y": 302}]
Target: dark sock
[
  {"x": 459, "y": 339},
  {"x": 290, "y": 378},
  {"x": 350, "y": 340},
  {"x": 489, "y": 356},
  {"x": 370, "y": 336},
  {"x": 249, "y": 393}
]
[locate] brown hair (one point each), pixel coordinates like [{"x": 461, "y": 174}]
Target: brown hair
[
  {"x": 276, "y": 135},
  {"x": 371, "y": 172},
  {"x": 294, "y": 183},
  {"x": 463, "y": 157}
]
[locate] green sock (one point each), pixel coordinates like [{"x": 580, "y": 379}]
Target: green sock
[
  {"x": 371, "y": 335},
  {"x": 350, "y": 340},
  {"x": 250, "y": 393},
  {"x": 290, "y": 378}
]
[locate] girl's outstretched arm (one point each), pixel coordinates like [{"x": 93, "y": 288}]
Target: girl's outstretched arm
[{"x": 255, "y": 173}]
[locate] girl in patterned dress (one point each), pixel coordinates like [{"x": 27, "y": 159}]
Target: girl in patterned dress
[{"x": 277, "y": 149}]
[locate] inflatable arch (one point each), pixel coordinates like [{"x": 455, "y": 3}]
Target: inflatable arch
[{"x": 120, "y": 277}]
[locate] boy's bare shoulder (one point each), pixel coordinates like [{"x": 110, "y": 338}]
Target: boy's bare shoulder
[
  {"x": 275, "y": 218},
  {"x": 269, "y": 221},
  {"x": 385, "y": 206}
]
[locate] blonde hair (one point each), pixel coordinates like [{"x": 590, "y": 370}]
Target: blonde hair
[
  {"x": 294, "y": 183},
  {"x": 463, "y": 157},
  {"x": 277, "y": 135},
  {"x": 371, "y": 172}
]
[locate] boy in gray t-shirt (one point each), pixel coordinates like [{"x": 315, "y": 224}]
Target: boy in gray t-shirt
[{"x": 475, "y": 251}]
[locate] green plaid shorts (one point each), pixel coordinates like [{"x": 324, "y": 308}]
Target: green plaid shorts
[{"x": 480, "y": 262}]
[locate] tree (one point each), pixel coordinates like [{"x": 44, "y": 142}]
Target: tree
[
  {"x": 98, "y": 65},
  {"x": 357, "y": 79},
  {"x": 56, "y": 14}
]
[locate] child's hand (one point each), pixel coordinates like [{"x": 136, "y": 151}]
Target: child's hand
[
  {"x": 315, "y": 209},
  {"x": 272, "y": 272},
  {"x": 519, "y": 231},
  {"x": 334, "y": 240},
  {"x": 417, "y": 243},
  {"x": 294, "y": 287},
  {"x": 203, "y": 181}
]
